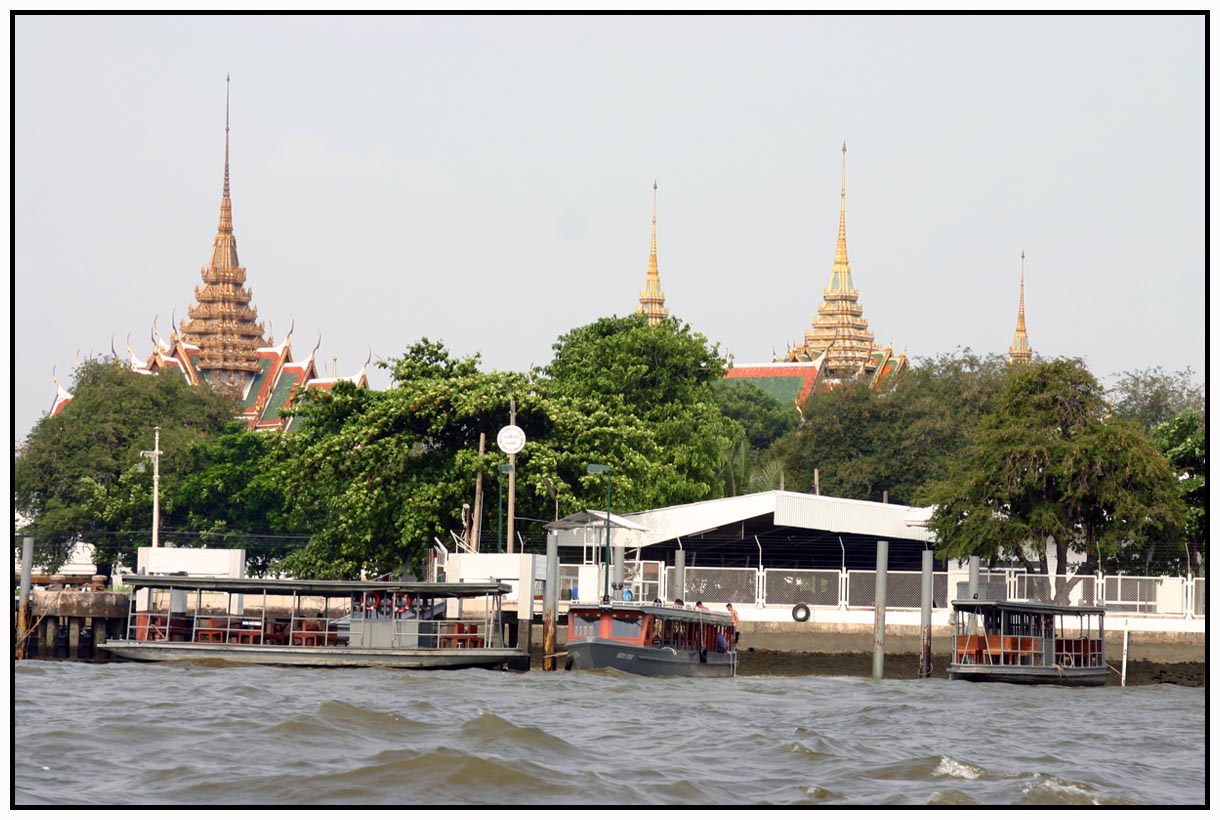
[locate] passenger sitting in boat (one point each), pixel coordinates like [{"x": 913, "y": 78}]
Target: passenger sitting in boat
[
  {"x": 722, "y": 644},
  {"x": 678, "y": 602},
  {"x": 699, "y": 605}
]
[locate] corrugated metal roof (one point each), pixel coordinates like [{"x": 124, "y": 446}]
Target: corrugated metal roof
[{"x": 788, "y": 509}]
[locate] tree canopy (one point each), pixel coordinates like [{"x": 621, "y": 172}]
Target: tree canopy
[
  {"x": 876, "y": 445},
  {"x": 375, "y": 477},
  {"x": 1151, "y": 397},
  {"x": 1049, "y": 466},
  {"x": 79, "y": 475}
]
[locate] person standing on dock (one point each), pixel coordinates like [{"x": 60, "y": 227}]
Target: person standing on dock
[{"x": 736, "y": 634}]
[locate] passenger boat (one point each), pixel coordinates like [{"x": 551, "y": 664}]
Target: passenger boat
[
  {"x": 1028, "y": 642},
  {"x": 651, "y": 639},
  {"x": 402, "y": 624}
]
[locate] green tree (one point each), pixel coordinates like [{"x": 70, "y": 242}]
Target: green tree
[
  {"x": 78, "y": 475},
  {"x": 229, "y": 499},
  {"x": 762, "y": 420},
  {"x": 1048, "y": 467},
  {"x": 1183, "y": 441},
  {"x": 375, "y": 476},
  {"x": 639, "y": 398},
  {"x": 1152, "y": 397},
  {"x": 873, "y": 445}
]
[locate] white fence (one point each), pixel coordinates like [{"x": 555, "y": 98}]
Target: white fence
[{"x": 1164, "y": 597}]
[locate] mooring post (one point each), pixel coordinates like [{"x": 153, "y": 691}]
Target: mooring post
[
  {"x": 925, "y": 617},
  {"x": 972, "y": 592},
  {"x": 23, "y": 602},
  {"x": 619, "y": 559},
  {"x": 883, "y": 560},
  {"x": 550, "y": 598},
  {"x": 679, "y": 590},
  {"x": 1126, "y": 637}
]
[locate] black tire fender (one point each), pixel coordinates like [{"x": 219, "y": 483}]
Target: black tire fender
[{"x": 800, "y": 613}]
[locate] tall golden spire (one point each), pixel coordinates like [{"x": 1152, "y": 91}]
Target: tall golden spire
[
  {"x": 1020, "y": 340},
  {"x": 840, "y": 330},
  {"x": 222, "y": 323},
  {"x": 840, "y": 272},
  {"x": 652, "y": 299}
]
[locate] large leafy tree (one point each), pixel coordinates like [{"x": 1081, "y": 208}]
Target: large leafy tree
[
  {"x": 229, "y": 499},
  {"x": 1183, "y": 441},
  {"x": 78, "y": 476},
  {"x": 375, "y": 477},
  {"x": 1152, "y": 397},
  {"x": 762, "y": 420},
  {"x": 1049, "y": 469},
  {"x": 638, "y": 397},
  {"x": 875, "y": 445}
]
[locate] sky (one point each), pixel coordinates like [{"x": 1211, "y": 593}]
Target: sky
[{"x": 487, "y": 181}]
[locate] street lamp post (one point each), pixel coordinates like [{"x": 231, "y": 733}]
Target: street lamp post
[
  {"x": 155, "y": 456},
  {"x": 605, "y": 468}
]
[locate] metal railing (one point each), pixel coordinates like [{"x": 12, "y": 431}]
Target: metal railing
[{"x": 1172, "y": 597}]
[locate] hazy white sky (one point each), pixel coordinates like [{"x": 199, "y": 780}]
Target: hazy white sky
[{"x": 487, "y": 181}]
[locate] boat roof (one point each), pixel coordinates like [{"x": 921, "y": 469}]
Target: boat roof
[
  {"x": 287, "y": 586},
  {"x": 661, "y": 611},
  {"x": 980, "y": 604}
]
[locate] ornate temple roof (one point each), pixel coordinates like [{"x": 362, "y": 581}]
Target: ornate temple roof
[
  {"x": 839, "y": 331},
  {"x": 222, "y": 323},
  {"x": 652, "y": 298},
  {"x": 225, "y": 345},
  {"x": 838, "y": 346},
  {"x": 1020, "y": 340}
]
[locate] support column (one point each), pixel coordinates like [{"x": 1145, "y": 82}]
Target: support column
[
  {"x": 925, "y": 617},
  {"x": 883, "y": 559},
  {"x": 550, "y": 600}
]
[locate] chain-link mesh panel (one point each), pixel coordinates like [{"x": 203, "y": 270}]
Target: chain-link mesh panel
[
  {"x": 1135, "y": 594},
  {"x": 903, "y": 590},
  {"x": 714, "y": 585},
  {"x": 1201, "y": 597},
  {"x": 1126, "y": 595},
  {"x": 813, "y": 587},
  {"x": 993, "y": 586}
]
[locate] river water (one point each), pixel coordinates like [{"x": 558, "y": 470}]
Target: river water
[{"x": 187, "y": 734}]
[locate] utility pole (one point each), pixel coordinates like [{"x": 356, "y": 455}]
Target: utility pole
[
  {"x": 512, "y": 475},
  {"x": 155, "y": 455}
]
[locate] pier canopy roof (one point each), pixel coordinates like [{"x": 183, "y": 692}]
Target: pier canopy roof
[{"x": 776, "y": 527}]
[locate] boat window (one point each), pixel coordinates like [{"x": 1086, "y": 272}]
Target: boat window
[
  {"x": 582, "y": 624},
  {"x": 625, "y": 626}
]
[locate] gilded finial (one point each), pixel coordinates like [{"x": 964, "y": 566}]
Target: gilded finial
[
  {"x": 226, "y": 192},
  {"x": 1020, "y": 350}
]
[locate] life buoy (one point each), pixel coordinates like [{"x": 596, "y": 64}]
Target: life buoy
[
  {"x": 1066, "y": 661},
  {"x": 372, "y": 600},
  {"x": 800, "y": 613},
  {"x": 402, "y": 603}
]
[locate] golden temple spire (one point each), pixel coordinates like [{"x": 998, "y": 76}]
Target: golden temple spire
[
  {"x": 652, "y": 299},
  {"x": 1020, "y": 340},
  {"x": 840, "y": 272},
  {"x": 226, "y": 206},
  {"x": 223, "y": 323}
]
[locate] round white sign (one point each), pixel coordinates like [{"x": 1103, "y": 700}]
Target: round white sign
[{"x": 511, "y": 439}]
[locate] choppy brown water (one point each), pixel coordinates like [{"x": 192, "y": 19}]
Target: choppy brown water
[{"x": 127, "y": 733}]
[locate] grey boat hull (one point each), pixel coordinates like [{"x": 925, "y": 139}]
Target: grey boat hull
[
  {"x": 1038, "y": 675},
  {"x": 599, "y": 653},
  {"x": 319, "y": 656}
]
